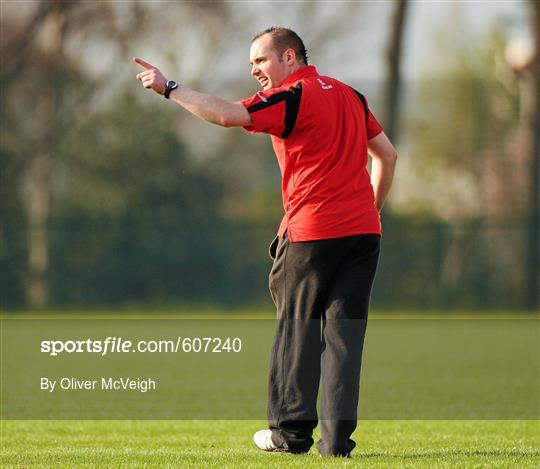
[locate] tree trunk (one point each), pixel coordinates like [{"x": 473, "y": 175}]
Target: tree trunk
[
  {"x": 38, "y": 203},
  {"x": 39, "y": 177},
  {"x": 393, "y": 80}
]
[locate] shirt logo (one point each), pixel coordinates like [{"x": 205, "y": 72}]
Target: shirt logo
[
  {"x": 324, "y": 86},
  {"x": 261, "y": 96}
]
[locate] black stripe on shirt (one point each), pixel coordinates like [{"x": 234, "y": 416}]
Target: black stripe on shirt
[
  {"x": 267, "y": 102},
  {"x": 291, "y": 97},
  {"x": 292, "y": 104},
  {"x": 364, "y": 103}
]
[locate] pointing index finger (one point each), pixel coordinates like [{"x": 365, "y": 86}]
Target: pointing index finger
[{"x": 142, "y": 63}]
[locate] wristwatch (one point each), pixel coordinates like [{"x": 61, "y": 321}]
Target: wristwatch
[{"x": 170, "y": 85}]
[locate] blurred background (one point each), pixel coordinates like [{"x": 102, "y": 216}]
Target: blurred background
[{"x": 111, "y": 196}]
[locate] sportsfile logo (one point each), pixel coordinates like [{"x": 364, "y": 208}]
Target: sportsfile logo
[
  {"x": 121, "y": 345},
  {"x": 102, "y": 347}
]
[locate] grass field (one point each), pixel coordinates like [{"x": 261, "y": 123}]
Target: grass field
[
  {"x": 202, "y": 443},
  {"x": 482, "y": 372}
]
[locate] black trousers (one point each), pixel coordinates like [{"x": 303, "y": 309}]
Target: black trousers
[{"x": 321, "y": 290}]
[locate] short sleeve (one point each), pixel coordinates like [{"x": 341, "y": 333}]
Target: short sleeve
[
  {"x": 274, "y": 111},
  {"x": 373, "y": 128},
  {"x": 267, "y": 112}
]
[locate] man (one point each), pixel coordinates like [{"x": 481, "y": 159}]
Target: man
[{"x": 327, "y": 249}]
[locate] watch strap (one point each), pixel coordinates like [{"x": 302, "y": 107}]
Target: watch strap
[{"x": 171, "y": 85}]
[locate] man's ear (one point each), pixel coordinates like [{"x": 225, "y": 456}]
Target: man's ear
[{"x": 290, "y": 56}]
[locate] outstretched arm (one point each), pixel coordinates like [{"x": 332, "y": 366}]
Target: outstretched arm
[
  {"x": 384, "y": 157},
  {"x": 210, "y": 108}
]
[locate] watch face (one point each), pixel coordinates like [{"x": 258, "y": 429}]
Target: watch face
[{"x": 171, "y": 84}]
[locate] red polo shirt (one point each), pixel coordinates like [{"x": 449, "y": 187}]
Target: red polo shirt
[{"x": 319, "y": 129}]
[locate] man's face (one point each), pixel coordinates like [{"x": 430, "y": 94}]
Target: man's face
[{"x": 268, "y": 68}]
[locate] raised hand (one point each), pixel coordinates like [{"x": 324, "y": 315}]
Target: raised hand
[{"x": 151, "y": 77}]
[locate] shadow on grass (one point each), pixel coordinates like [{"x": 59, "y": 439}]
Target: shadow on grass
[{"x": 456, "y": 453}]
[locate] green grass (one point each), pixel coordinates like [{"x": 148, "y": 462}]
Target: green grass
[
  {"x": 480, "y": 369},
  {"x": 137, "y": 443},
  {"x": 413, "y": 369}
]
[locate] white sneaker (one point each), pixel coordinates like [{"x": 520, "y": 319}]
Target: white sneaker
[{"x": 263, "y": 440}]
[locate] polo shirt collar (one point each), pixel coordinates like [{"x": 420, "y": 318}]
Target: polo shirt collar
[{"x": 303, "y": 72}]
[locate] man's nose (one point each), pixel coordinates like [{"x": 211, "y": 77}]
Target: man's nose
[{"x": 255, "y": 71}]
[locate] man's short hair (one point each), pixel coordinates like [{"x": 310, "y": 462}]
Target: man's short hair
[{"x": 283, "y": 39}]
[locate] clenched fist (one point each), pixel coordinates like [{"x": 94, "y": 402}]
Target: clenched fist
[{"x": 152, "y": 77}]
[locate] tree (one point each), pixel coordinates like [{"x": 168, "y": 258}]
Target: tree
[
  {"x": 469, "y": 151},
  {"x": 393, "y": 78},
  {"x": 48, "y": 88},
  {"x": 38, "y": 61},
  {"x": 133, "y": 222}
]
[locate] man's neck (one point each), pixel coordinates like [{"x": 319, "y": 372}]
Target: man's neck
[
  {"x": 293, "y": 70},
  {"x": 298, "y": 66}
]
